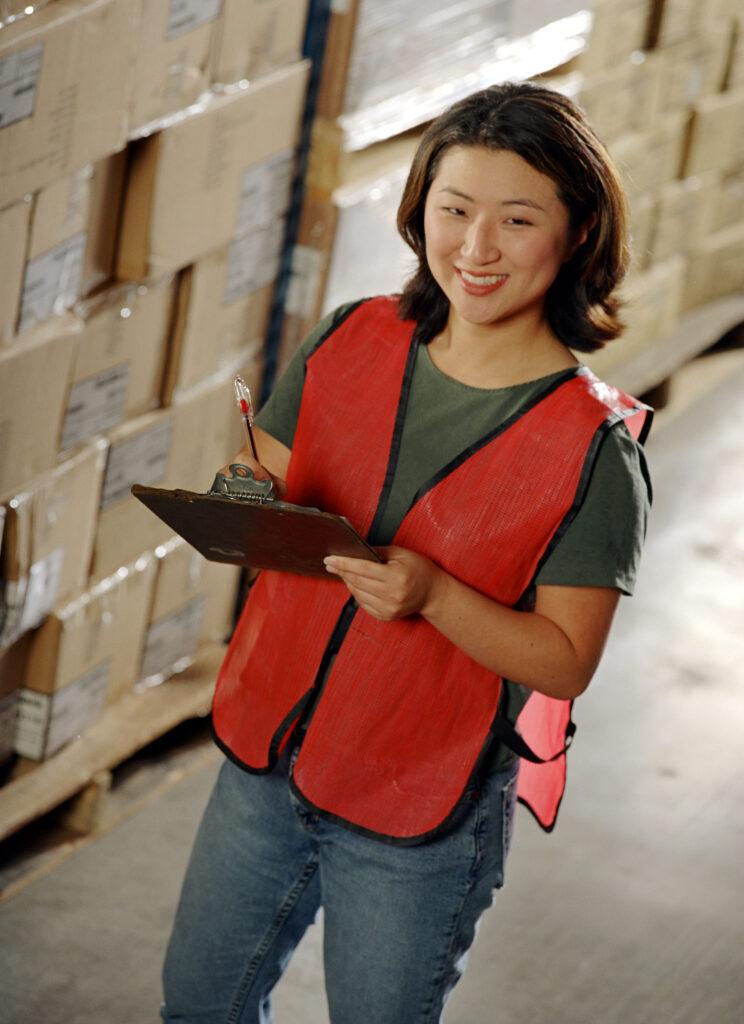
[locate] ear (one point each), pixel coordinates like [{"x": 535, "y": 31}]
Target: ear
[{"x": 580, "y": 236}]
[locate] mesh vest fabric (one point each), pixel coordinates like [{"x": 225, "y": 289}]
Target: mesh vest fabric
[{"x": 399, "y": 726}]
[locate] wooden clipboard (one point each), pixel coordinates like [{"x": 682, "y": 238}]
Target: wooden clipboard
[{"x": 268, "y": 535}]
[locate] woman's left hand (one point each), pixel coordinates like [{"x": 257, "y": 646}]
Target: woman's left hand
[{"x": 401, "y": 585}]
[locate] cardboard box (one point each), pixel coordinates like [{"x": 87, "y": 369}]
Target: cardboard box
[
  {"x": 48, "y": 540},
  {"x": 34, "y": 380},
  {"x": 14, "y": 224},
  {"x": 717, "y": 138},
  {"x": 67, "y": 672},
  {"x": 682, "y": 215},
  {"x": 647, "y": 160},
  {"x": 626, "y": 97},
  {"x": 716, "y": 267},
  {"x": 695, "y": 67},
  {"x": 618, "y": 28},
  {"x": 120, "y": 358},
  {"x": 171, "y": 70},
  {"x": 65, "y": 74},
  {"x": 726, "y": 202},
  {"x": 140, "y": 452},
  {"x": 71, "y": 240},
  {"x": 653, "y": 301},
  {"x": 642, "y": 226},
  {"x": 85, "y": 655},
  {"x": 183, "y": 446},
  {"x": 735, "y": 77},
  {"x": 132, "y": 613},
  {"x": 12, "y": 667},
  {"x": 176, "y": 619},
  {"x": 257, "y": 36},
  {"x": 222, "y": 315},
  {"x": 205, "y": 164},
  {"x": 193, "y": 603}
]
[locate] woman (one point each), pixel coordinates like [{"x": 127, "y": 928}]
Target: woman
[{"x": 369, "y": 720}]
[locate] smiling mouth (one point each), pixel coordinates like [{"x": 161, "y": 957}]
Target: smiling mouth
[
  {"x": 480, "y": 283},
  {"x": 481, "y": 279}
]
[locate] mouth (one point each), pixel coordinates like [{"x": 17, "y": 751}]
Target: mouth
[{"x": 480, "y": 284}]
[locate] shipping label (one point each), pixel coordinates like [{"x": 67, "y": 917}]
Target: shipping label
[
  {"x": 51, "y": 283},
  {"x": 264, "y": 192},
  {"x": 253, "y": 261},
  {"x": 172, "y": 641},
  {"x": 19, "y": 77},
  {"x": 42, "y": 589},
  {"x": 186, "y": 15},
  {"x": 141, "y": 459},
  {"x": 47, "y": 721},
  {"x": 95, "y": 405}
]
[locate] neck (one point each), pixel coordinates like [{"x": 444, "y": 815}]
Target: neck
[{"x": 499, "y": 355}]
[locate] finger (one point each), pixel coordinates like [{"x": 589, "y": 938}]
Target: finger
[{"x": 359, "y": 566}]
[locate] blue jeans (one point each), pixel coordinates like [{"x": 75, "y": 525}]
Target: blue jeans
[{"x": 398, "y": 920}]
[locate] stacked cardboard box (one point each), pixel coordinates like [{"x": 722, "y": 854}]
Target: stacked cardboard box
[
  {"x": 672, "y": 116},
  {"x": 146, "y": 156}
]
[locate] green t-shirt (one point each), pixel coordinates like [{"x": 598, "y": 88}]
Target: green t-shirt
[{"x": 600, "y": 548}]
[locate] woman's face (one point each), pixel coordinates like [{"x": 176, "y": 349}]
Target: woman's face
[{"x": 496, "y": 234}]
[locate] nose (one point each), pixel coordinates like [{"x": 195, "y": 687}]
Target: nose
[{"x": 480, "y": 244}]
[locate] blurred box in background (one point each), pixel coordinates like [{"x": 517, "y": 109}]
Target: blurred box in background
[
  {"x": 34, "y": 381},
  {"x": 186, "y": 183},
  {"x": 14, "y": 224},
  {"x": 65, "y": 74},
  {"x": 193, "y": 603},
  {"x": 257, "y": 36},
  {"x": 119, "y": 359},
  {"x": 48, "y": 540},
  {"x": 171, "y": 69}
]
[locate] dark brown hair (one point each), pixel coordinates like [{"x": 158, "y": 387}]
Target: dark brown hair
[{"x": 551, "y": 133}]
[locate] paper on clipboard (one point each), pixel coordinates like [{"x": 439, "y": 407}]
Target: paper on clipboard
[{"x": 263, "y": 535}]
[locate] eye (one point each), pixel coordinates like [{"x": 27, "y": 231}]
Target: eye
[
  {"x": 518, "y": 221},
  {"x": 454, "y": 210}
]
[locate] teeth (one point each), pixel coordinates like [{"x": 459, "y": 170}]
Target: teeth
[{"x": 491, "y": 279}]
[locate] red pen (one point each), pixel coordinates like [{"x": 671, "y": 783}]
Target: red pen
[{"x": 245, "y": 404}]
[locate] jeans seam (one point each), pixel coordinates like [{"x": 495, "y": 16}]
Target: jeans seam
[{"x": 290, "y": 901}]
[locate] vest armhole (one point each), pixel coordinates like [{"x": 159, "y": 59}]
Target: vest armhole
[{"x": 590, "y": 460}]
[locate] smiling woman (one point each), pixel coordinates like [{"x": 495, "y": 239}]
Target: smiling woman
[{"x": 379, "y": 725}]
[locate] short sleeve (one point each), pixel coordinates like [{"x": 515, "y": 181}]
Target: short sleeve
[
  {"x": 602, "y": 546},
  {"x": 278, "y": 416}
]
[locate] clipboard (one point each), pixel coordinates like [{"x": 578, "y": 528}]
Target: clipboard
[{"x": 265, "y": 534}]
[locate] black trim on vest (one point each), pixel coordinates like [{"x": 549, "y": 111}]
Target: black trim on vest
[
  {"x": 460, "y": 808},
  {"x": 400, "y": 416},
  {"x": 337, "y": 321},
  {"x": 276, "y": 740},
  {"x": 313, "y": 695},
  {"x": 487, "y": 438}
]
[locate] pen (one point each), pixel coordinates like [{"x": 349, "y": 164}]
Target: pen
[{"x": 243, "y": 398}]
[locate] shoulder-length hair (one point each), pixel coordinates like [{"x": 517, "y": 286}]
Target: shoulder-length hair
[{"x": 551, "y": 133}]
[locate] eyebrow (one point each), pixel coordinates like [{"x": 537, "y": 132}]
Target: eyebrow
[{"x": 506, "y": 202}]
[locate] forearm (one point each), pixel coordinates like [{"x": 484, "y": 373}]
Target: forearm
[{"x": 525, "y": 647}]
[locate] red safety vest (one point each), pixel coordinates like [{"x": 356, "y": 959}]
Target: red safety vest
[{"x": 399, "y": 726}]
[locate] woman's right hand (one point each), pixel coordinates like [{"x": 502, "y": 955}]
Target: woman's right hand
[{"x": 245, "y": 458}]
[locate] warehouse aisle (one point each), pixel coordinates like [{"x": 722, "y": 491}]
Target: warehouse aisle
[{"x": 630, "y": 913}]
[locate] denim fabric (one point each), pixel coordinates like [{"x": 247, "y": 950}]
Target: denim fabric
[{"x": 398, "y": 920}]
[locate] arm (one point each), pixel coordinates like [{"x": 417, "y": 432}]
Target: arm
[{"x": 554, "y": 649}]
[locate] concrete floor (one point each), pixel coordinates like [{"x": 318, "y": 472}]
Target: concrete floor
[{"x": 632, "y": 912}]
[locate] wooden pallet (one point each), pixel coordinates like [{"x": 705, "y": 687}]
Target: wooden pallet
[{"x": 83, "y": 767}]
